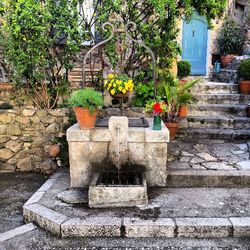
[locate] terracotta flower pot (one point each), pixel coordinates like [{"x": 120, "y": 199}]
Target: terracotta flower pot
[
  {"x": 172, "y": 127},
  {"x": 183, "y": 111},
  {"x": 121, "y": 95},
  {"x": 85, "y": 118},
  {"x": 54, "y": 150},
  {"x": 183, "y": 82},
  {"x": 244, "y": 87},
  {"x": 225, "y": 60}
]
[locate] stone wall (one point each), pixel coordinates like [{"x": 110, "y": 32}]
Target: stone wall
[
  {"x": 25, "y": 138},
  {"x": 26, "y": 135}
]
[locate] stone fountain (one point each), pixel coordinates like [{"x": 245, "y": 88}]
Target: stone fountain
[
  {"x": 117, "y": 160},
  {"x": 92, "y": 152}
]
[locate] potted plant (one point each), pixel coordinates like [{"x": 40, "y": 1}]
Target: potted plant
[
  {"x": 85, "y": 103},
  {"x": 119, "y": 86},
  {"x": 171, "y": 115},
  {"x": 185, "y": 97},
  {"x": 230, "y": 40},
  {"x": 243, "y": 71},
  {"x": 157, "y": 109},
  {"x": 184, "y": 70}
]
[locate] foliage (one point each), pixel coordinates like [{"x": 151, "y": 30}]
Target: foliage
[
  {"x": 184, "y": 69},
  {"x": 244, "y": 69},
  {"x": 86, "y": 98},
  {"x": 40, "y": 38},
  {"x": 156, "y": 25},
  {"x": 177, "y": 95},
  {"x": 185, "y": 97},
  {"x": 230, "y": 38},
  {"x": 118, "y": 84},
  {"x": 144, "y": 93}
]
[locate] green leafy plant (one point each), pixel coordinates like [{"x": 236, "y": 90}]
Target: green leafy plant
[
  {"x": 144, "y": 93},
  {"x": 185, "y": 97},
  {"x": 244, "y": 69},
  {"x": 177, "y": 95},
  {"x": 184, "y": 69},
  {"x": 230, "y": 38},
  {"x": 40, "y": 38},
  {"x": 86, "y": 98}
]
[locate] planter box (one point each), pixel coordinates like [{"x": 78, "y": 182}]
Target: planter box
[{"x": 117, "y": 195}]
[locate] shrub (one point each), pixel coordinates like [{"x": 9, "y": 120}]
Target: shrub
[
  {"x": 244, "y": 69},
  {"x": 230, "y": 39},
  {"x": 86, "y": 98},
  {"x": 184, "y": 69}
]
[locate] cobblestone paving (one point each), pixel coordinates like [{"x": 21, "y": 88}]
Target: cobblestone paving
[{"x": 209, "y": 155}]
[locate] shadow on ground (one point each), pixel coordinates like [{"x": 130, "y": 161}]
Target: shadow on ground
[{"x": 15, "y": 190}]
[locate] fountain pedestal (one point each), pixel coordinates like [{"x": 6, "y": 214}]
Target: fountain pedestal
[{"x": 90, "y": 150}]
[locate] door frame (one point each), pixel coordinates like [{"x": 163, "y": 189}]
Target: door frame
[{"x": 197, "y": 16}]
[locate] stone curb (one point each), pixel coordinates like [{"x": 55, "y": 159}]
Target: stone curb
[
  {"x": 63, "y": 226},
  {"x": 208, "y": 178},
  {"x": 16, "y": 232}
]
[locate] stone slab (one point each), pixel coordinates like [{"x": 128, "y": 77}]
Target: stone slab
[
  {"x": 137, "y": 228},
  {"x": 117, "y": 196},
  {"x": 203, "y": 227},
  {"x": 241, "y": 226},
  {"x": 35, "y": 198},
  {"x": 75, "y": 134},
  {"x": 92, "y": 227},
  {"x": 73, "y": 196},
  {"x": 47, "y": 185},
  {"x": 16, "y": 232},
  {"x": 46, "y": 218}
]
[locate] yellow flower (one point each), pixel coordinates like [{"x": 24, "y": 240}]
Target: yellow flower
[
  {"x": 105, "y": 82},
  {"x": 111, "y": 76},
  {"x": 124, "y": 91},
  {"x": 109, "y": 86},
  {"x": 120, "y": 88},
  {"x": 112, "y": 92}
]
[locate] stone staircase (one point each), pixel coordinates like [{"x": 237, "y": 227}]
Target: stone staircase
[{"x": 220, "y": 113}]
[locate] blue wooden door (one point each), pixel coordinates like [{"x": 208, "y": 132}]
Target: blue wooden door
[{"x": 194, "y": 44}]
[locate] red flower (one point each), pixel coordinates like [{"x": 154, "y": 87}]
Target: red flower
[{"x": 157, "y": 108}]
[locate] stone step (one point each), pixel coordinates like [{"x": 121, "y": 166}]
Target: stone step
[
  {"x": 215, "y": 88},
  {"x": 215, "y": 122},
  {"x": 208, "y": 178},
  {"x": 222, "y": 99},
  {"x": 218, "y": 110},
  {"x": 213, "y": 133}
]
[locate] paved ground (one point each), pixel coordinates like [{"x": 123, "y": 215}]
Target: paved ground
[
  {"x": 163, "y": 203},
  {"x": 15, "y": 190},
  {"x": 209, "y": 155}
]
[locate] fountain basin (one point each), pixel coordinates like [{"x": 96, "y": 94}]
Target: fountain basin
[
  {"x": 115, "y": 195},
  {"x": 91, "y": 149}
]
